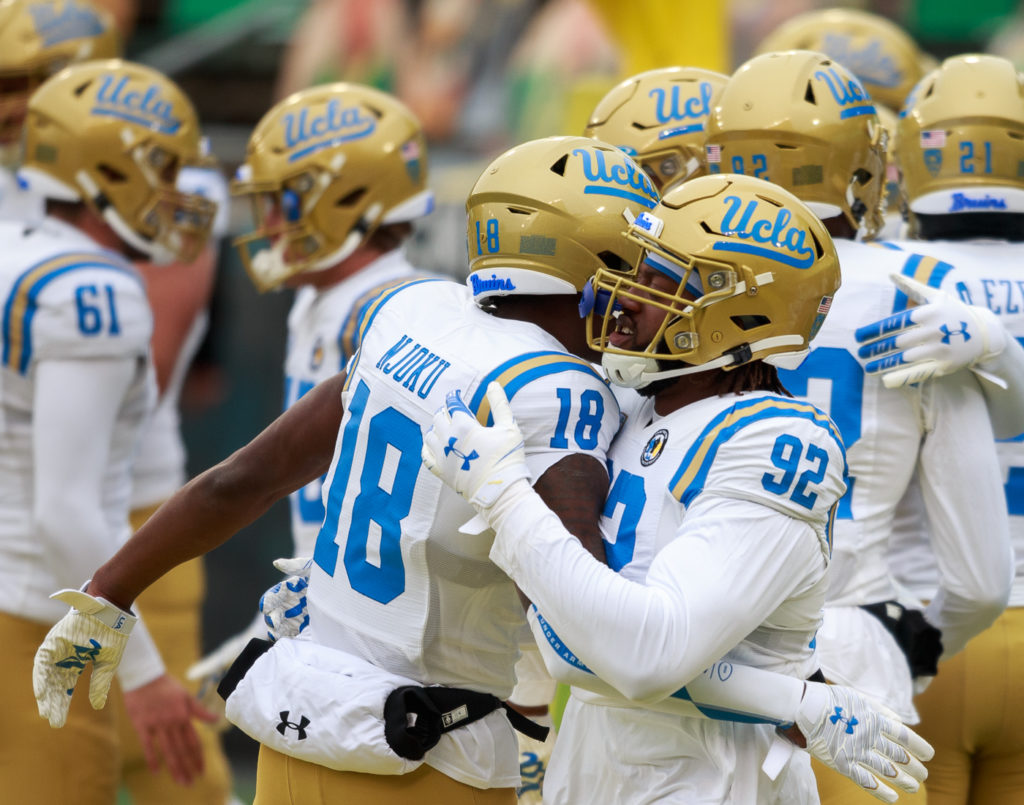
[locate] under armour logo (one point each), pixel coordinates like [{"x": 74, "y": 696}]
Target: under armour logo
[
  {"x": 286, "y": 725},
  {"x": 850, "y": 722},
  {"x": 83, "y": 655},
  {"x": 947, "y": 333},
  {"x": 465, "y": 459}
]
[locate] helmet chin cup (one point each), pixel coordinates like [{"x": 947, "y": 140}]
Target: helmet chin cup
[{"x": 629, "y": 371}]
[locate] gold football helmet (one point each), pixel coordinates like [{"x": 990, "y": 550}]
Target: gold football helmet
[
  {"x": 324, "y": 169},
  {"x": 885, "y": 59},
  {"x": 802, "y": 121},
  {"x": 37, "y": 39},
  {"x": 545, "y": 215},
  {"x": 755, "y": 272},
  {"x": 114, "y": 134},
  {"x": 659, "y": 118},
  {"x": 962, "y": 139}
]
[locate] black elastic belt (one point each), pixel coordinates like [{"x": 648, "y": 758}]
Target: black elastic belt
[{"x": 415, "y": 717}]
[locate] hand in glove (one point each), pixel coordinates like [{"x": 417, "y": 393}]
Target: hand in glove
[{"x": 93, "y": 631}]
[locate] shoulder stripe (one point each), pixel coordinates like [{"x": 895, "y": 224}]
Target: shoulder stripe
[
  {"x": 521, "y": 370},
  {"x": 365, "y": 319},
  {"x": 688, "y": 482},
  {"x": 927, "y": 270},
  {"x": 21, "y": 304},
  {"x": 348, "y": 336}
]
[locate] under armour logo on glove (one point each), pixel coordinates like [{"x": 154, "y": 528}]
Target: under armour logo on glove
[
  {"x": 299, "y": 727},
  {"x": 947, "y": 333},
  {"x": 450, "y": 448},
  {"x": 850, "y": 722}
]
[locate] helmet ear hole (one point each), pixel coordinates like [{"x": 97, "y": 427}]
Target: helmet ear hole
[
  {"x": 111, "y": 174},
  {"x": 809, "y": 95},
  {"x": 750, "y": 321},
  {"x": 351, "y": 199},
  {"x": 615, "y": 262}
]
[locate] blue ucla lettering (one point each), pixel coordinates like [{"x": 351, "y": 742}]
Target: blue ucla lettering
[
  {"x": 622, "y": 172},
  {"x": 667, "y": 106},
  {"x": 73, "y": 22},
  {"x": 306, "y": 125},
  {"x": 776, "y": 232},
  {"x": 845, "y": 92},
  {"x": 139, "y": 106},
  {"x": 870, "y": 62}
]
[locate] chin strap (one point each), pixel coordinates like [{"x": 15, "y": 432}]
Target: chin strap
[{"x": 635, "y": 371}]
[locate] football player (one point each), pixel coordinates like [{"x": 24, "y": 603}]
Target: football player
[
  {"x": 397, "y": 598},
  {"x": 803, "y": 121},
  {"x": 719, "y": 515},
  {"x": 104, "y": 141},
  {"x": 962, "y": 130},
  {"x": 659, "y": 118},
  {"x": 37, "y": 39}
]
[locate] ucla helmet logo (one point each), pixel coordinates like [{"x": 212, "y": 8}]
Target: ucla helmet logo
[
  {"x": 772, "y": 237},
  {"x": 611, "y": 173}
]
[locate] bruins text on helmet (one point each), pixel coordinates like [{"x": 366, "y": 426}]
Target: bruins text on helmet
[
  {"x": 962, "y": 140},
  {"x": 538, "y": 217}
]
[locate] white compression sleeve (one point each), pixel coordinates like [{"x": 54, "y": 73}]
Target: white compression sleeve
[
  {"x": 961, "y": 484},
  {"x": 724, "y": 691},
  {"x": 654, "y": 638},
  {"x": 74, "y": 410},
  {"x": 1005, "y": 406}
]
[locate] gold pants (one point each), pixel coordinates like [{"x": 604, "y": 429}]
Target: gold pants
[
  {"x": 283, "y": 780},
  {"x": 172, "y": 608},
  {"x": 38, "y": 764},
  {"x": 971, "y": 714}
]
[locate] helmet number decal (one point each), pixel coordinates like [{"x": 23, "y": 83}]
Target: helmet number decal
[{"x": 492, "y": 241}]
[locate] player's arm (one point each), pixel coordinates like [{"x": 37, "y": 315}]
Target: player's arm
[
  {"x": 293, "y": 450},
  {"x": 961, "y": 483}
]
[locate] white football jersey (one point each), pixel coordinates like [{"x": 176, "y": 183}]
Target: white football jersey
[
  {"x": 888, "y": 435},
  {"x": 17, "y": 203},
  {"x": 988, "y": 274},
  {"x": 670, "y": 477},
  {"x": 160, "y": 464},
  {"x": 322, "y": 336},
  {"x": 393, "y": 580},
  {"x": 64, "y": 298}
]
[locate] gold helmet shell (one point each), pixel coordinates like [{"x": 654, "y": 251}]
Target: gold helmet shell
[
  {"x": 962, "y": 139},
  {"x": 755, "y": 272},
  {"x": 658, "y": 118},
  {"x": 37, "y": 39},
  {"x": 803, "y": 121},
  {"x": 884, "y": 57},
  {"x": 324, "y": 169},
  {"x": 547, "y": 214},
  {"x": 114, "y": 135}
]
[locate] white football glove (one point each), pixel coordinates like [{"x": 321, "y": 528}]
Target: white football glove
[
  {"x": 93, "y": 631},
  {"x": 284, "y": 605},
  {"x": 479, "y": 462},
  {"x": 939, "y": 337},
  {"x": 863, "y": 741}
]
